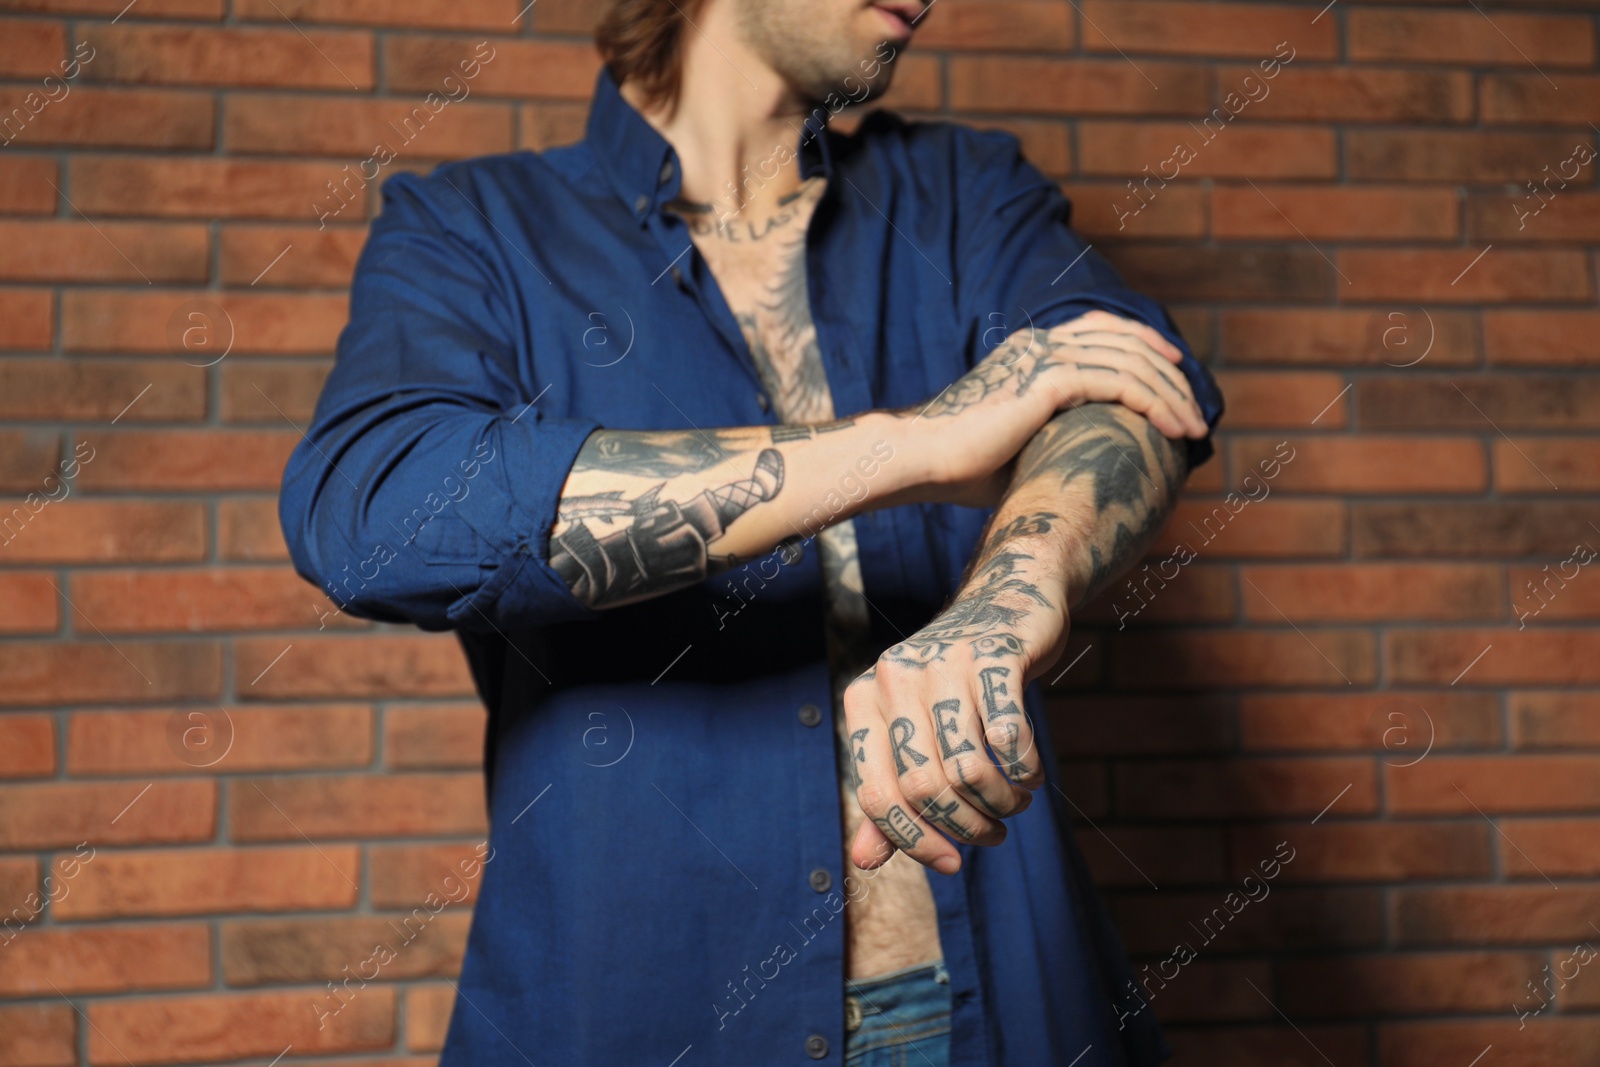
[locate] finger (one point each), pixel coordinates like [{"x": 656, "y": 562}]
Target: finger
[
  {"x": 870, "y": 845},
  {"x": 1106, "y": 320},
  {"x": 878, "y": 789},
  {"x": 1102, "y": 380},
  {"x": 922, "y": 781},
  {"x": 1006, "y": 727},
  {"x": 1176, "y": 391},
  {"x": 1180, "y": 416},
  {"x": 962, "y": 747}
]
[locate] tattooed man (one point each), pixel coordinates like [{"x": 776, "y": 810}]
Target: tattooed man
[{"x": 715, "y": 429}]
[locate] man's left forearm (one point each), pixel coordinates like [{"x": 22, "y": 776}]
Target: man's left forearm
[{"x": 1105, "y": 480}]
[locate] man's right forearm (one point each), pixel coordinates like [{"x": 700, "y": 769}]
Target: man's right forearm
[{"x": 645, "y": 512}]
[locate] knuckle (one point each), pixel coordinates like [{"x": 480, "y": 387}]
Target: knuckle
[
  {"x": 920, "y": 786},
  {"x": 874, "y": 799}
]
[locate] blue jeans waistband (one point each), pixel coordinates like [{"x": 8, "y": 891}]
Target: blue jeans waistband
[{"x": 898, "y": 1008}]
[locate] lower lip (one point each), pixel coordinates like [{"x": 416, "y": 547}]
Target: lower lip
[{"x": 900, "y": 27}]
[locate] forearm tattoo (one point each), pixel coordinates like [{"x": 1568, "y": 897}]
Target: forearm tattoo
[
  {"x": 663, "y": 544},
  {"x": 995, "y": 595},
  {"x": 1134, "y": 476}
]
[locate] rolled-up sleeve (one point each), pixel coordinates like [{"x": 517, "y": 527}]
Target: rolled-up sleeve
[
  {"x": 425, "y": 488},
  {"x": 1021, "y": 259}
]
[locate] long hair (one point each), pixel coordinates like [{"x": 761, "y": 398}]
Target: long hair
[{"x": 641, "y": 42}]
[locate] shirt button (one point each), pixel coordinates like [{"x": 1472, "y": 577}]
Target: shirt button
[
  {"x": 810, "y": 714},
  {"x": 817, "y": 1046},
  {"x": 640, "y": 204},
  {"x": 666, "y": 172},
  {"x": 762, "y": 402},
  {"x": 821, "y": 880},
  {"x": 677, "y": 277}
]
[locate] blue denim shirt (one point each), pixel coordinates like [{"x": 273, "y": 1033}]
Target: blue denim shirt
[{"x": 666, "y": 875}]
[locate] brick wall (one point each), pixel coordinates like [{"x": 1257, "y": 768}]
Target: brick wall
[{"x": 217, "y": 794}]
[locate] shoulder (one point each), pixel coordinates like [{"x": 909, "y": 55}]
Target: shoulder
[
  {"x": 474, "y": 192},
  {"x": 884, "y": 134}
]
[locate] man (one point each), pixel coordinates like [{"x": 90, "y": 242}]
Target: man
[{"x": 695, "y": 430}]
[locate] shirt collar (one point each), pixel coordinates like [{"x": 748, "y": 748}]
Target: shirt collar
[{"x": 643, "y": 167}]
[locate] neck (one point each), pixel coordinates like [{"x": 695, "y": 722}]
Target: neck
[{"x": 737, "y": 124}]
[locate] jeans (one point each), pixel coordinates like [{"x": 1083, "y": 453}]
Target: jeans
[{"x": 899, "y": 1019}]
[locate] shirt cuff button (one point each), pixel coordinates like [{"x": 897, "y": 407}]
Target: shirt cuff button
[{"x": 816, "y": 1046}]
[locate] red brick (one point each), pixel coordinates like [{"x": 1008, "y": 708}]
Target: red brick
[
  {"x": 117, "y": 118},
  {"x": 63, "y": 815},
  {"x": 391, "y": 665},
  {"x": 1343, "y": 851},
  {"x": 1137, "y": 856},
  {"x": 248, "y": 531},
  {"x": 25, "y": 316},
  {"x": 434, "y": 14},
  {"x": 92, "y": 671},
  {"x": 1215, "y": 989},
  {"x": 1355, "y": 94},
  {"x": 1481, "y": 403},
  {"x": 43, "y": 962},
  {"x": 1528, "y": 99},
  {"x": 32, "y": 49},
  {"x": 19, "y": 887},
  {"x": 1532, "y": 464},
  {"x": 1270, "y": 1046},
  {"x": 547, "y": 125},
  {"x": 199, "y": 188},
  {"x": 1195, "y": 594},
  {"x": 1404, "y": 725},
  {"x": 1247, "y": 31},
  {"x": 518, "y": 69},
  {"x": 278, "y": 394},
  {"x": 38, "y": 1035},
  {"x": 1338, "y": 337},
  {"x": 1495, "y": 915},
  {"x": 1556, "y": 720},
  {"x": 230, "y": 740},
  {"x": 101, "y": 531},
  {"x": 1104, "y": 209},
  {"x": 29, "y": 461},
  {"x": 80, "y": 251},
  {"x": 1469, "y": 38},
  {"x": 275, "y": 952},
  {"x": 1283, "y": 918},
  {"x": 1290, "y": 212},
  {"x": 32, "y": 605},
  {"x": 1544, "y": 1041},
  {"x": 1502, "y": 276},
  {"x": 1255, "y": 151},
  {"x": 1285, "y": 399},
  {"x": 1124, "y": 725},
  {"x": 1076, "y": 86},
  {"x": 1273, "y": 528},
  {"x": 1186, "y": 272},
  {"x": 918, "y": 86},
  {"x": 1371, "y": 464},
  {"x": 1450, "y": 155},
  {"x": 224, "y": 1027},
  {"x": 145, "y": 9},
  {"x": 1533, "y": 338},
  {"x": 356, "y": 806},
  {"x": 1550, "y": 848},
  {"x": 122, "y": 884},
  {"x": 1372, "y": 592},
  {"x": 1541, "y": 655},
  {"x": 434, "y": 736},
  {"x": 1567, "y": 216},
  {"x": 402, "y": 876},
  {"x": 27, "y": 746},
  {"x": 311, "y": 259},
  {"x": 248, "y": 58},
  {"x": 309, "y": 126},
  {"x": 1496, "y": 529},
  {"x": 1246, "y": 788},
  {"x": 1046, "y": 143},
  {"x": 1471, "y": 784},
  {"x": 1404, "y": 984},
  {"x": 189, "y": 460},
  {"x": 84, "y": 390},
  {"x": 995, "y": 25},
  {"x": 428, "y": 1016},
  {"x": 249, "y": 323},
  {"x": 25, "y": 188}
]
